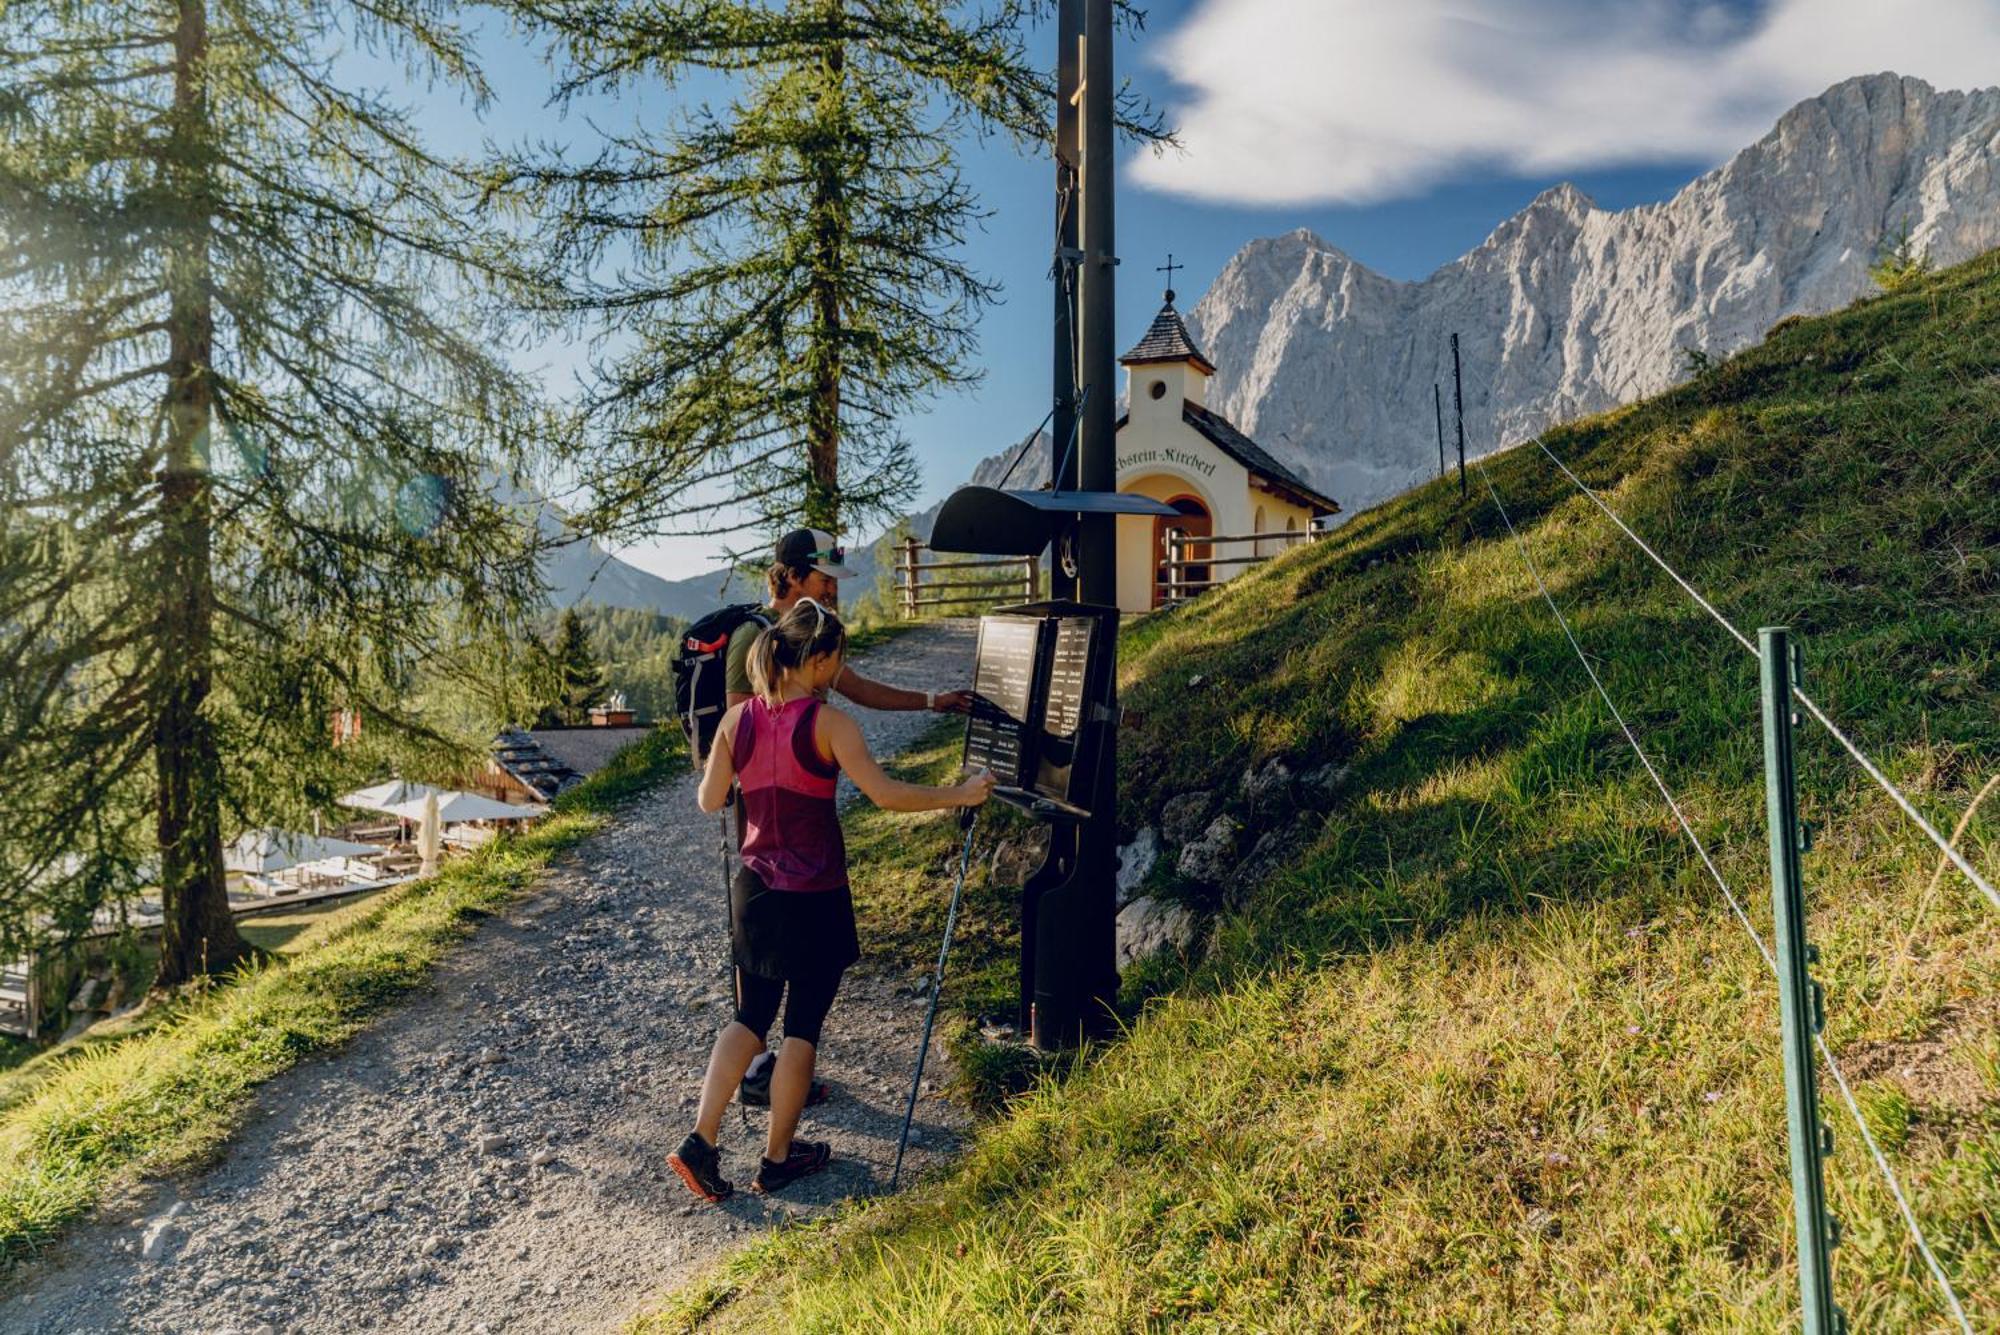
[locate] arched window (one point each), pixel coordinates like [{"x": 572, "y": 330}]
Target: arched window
[{"x": 1257, "y": 526}]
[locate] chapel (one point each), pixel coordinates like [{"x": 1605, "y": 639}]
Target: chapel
[{"x": 1174, "y": 448}]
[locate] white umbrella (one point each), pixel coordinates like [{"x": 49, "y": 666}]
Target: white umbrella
[
  {"x": 259, "y": 851},
  {"x": 455, "y": 807},
  {"x": 387, "y": 797},
  {"x": 432, "y": 839}
]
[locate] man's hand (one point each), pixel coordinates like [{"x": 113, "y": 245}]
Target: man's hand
[{"x": 952, "y": 702}]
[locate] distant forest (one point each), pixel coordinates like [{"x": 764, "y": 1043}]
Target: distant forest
[{"x": 635, "y": 649}]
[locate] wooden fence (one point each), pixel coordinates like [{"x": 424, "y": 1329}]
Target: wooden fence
[
  {"x": 922, "y": 584},
  {"x": 1191, "y": 558}
]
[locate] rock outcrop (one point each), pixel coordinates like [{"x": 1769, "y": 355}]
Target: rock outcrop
[{"x": 1567, "y": 309}]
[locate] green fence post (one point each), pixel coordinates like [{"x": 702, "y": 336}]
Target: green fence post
[{"x": 1801, "y": 1003}]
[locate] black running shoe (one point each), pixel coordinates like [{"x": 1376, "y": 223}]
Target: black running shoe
[
  {"x": 700, "y": 1166},
  {"x": 755, "y": 1091},
  {"x": 807, "y": 1157}
]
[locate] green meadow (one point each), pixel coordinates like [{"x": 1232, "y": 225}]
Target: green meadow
[{"x": 1490, "y": 1051}]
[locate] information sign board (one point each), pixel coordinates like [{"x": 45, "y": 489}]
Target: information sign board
[
  {"x": 1062, "y": 717},
  {"x": 1004, "y": 680}
]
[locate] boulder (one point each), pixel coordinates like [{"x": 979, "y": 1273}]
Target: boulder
[
  {"x": 1135, "y": 860},
  {"x": 1147, "y": 926},
  {"x": 1211, "y": 859},
  {"x": 1273, "y": 852},
  {"x": 1184, "y": 815},
  {"x": 1322, "y": 785},
  {"x": 1264, "y": 783}
]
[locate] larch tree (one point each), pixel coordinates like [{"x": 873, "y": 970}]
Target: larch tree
[
  {"x": 249, "y": 427},
  {"x": 784, "y": 274}
]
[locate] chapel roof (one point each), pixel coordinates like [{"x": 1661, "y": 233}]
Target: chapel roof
[
  {"x": 1222, "y": 433},
  {"x": 1167, "y": 340}
]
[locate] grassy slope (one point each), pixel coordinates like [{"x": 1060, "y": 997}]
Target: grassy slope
[
  {"x": 1494, "y": 1054},
  {"x": 164, "y": 1089}
]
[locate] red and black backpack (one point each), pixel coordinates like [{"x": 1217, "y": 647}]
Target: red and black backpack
[{"x": 701, "y": 692}]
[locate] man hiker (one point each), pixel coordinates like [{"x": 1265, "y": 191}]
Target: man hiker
[{"x": 808, "y": 563}]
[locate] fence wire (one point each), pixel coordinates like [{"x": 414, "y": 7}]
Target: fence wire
[
  {"x": 1873, "y": 771},
  {"x": 1937, "y": 1270}
]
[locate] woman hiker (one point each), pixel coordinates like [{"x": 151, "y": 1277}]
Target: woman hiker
[{"x": 791, "y": 918}]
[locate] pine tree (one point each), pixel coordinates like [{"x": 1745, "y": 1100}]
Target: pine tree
[
  {"x": 794, "y": 285},
  {"x": 577, "y": 679},
  {"x": 246, "y": 432}
]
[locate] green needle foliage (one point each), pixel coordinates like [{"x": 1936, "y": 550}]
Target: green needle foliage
[
  {"x": 789, "y": 275},
  {"x": 248, "y": 426},
  {"x": 576, "y": 679}
]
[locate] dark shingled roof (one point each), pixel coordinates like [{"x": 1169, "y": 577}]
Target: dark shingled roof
[
  {"x": 1220, "y": 432},
  {"x": 522, "y": 756},
  {"x": 1167, "y": 341}
]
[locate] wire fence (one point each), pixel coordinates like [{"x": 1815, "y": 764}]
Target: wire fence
[{"x": 1949, "y": 1295}]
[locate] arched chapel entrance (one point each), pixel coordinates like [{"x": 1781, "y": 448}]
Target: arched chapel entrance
[{"x": 1193, "y": 520}]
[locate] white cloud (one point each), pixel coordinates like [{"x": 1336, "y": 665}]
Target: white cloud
[{"x": 1352, "y": 101}]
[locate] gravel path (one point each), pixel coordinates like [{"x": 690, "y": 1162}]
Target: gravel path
[{"x": 490, "y": 1156}]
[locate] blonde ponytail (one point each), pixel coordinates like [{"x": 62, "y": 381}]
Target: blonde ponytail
[{"x": 764, "y": 665}]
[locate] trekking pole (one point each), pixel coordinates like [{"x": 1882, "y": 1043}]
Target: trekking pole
[{"x": 966, "y": 820}]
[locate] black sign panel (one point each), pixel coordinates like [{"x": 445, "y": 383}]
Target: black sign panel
[
  {"x": 1036, "y": 684},
  {"x": 1062, "y": 716},
  {"x": 1004, "y": 681}
]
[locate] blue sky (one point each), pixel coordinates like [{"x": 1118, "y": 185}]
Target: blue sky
[{"x": 1401, "y": 133}]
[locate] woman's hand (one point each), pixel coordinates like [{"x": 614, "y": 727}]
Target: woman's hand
[{"x": 977, "y": 787}]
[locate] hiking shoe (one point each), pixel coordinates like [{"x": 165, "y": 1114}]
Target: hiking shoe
[
  {"x": 700, "y": 1166},
  {"x": 755, "y": 1091},
  {"x": 807, "y": 1157}
]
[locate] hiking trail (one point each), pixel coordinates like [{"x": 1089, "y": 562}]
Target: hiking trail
[{"x": 491, "y": 1154}]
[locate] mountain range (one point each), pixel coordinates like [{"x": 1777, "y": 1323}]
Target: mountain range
[
  {"x": 1565, "y": 309},
  {"x": 1569, "y": 309}
]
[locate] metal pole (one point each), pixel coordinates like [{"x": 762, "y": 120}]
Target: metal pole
[
  {"x": 1097, "y": 468},
  {"x": 1458, "y": 399},
  {"x": 1066, "y": 270},
  {"x": 1437, "y": 407},
  {"x": 1801, "y": 1003},
  {"x": 966, "y": 820}
]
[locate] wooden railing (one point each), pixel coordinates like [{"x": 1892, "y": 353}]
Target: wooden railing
[
  {"x": 918, "y": 589},
  {"x": 1189, "y": 575}
]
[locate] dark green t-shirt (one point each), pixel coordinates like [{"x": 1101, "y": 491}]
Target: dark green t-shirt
[{"x": 736, "y": 661}]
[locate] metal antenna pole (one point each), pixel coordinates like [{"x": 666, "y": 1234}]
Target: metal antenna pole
[
  {"x": 1801, "y": 1004},
  {"x": 1458, "y": 399}
]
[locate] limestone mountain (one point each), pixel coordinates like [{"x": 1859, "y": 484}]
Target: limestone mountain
[{"x": 1568, "y": 309}]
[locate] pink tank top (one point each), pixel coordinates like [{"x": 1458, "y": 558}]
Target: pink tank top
[{"x": 791, "y": 831}]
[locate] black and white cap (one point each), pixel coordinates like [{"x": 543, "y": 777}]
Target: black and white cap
[{"x": 815, "y": 548}]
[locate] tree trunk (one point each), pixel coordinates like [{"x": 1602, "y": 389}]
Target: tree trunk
[
  {"x": 199, "y": 934},
  {"x": 822, "y": 506}
]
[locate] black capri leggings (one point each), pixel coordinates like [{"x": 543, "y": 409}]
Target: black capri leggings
[{"x": 805, "y": 1008}]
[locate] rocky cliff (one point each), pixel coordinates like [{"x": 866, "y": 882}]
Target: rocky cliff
[{"x": 1568, "y": 309}]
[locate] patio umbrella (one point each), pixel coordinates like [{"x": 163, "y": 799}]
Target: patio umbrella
[
  {"x": 261, "y": 851},
  {"x": 432, "y": 839},
  {"x": 455, "y": 807},
  {"x": 387, "y": 797}
]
